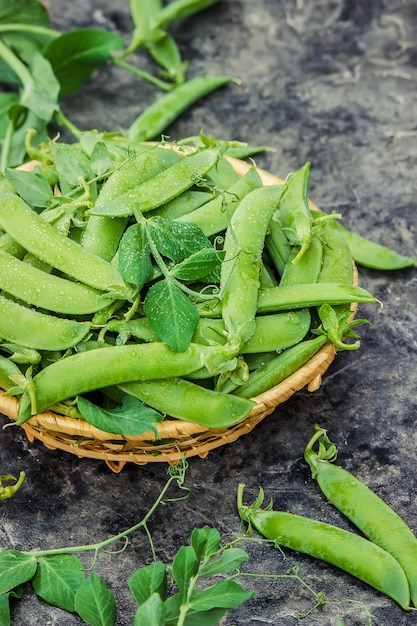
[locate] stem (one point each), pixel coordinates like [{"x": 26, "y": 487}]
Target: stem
[
  {"x": 7, "y": 143},
  {"x": 16, "y": 65},
  {"x": 28, "y": 28},
  {"x": 149, "y": 77},
  {"x": 66, "y": 123},
  {"x": 184, "y": 607},
  {"x": 102, "y": 544}
]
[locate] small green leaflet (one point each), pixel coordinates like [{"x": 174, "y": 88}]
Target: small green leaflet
[
  {"x": 94, "y": 603},
  {"x": 172, "y": 316},
  {"x": 184, "y": 566},
  {"x": 148, "y": 580},
  {"x": 57, "y": 579},
  {"x": 71, "y": 163},
  {"x": 151, "y": 612},
  {"x": 32, "y": 187},
  {"x": 24, "y": 12},
  {"x": 176, "y": 240},
  {"x": 198, "y": 265},
  {"x": 40, "y": 93},
  {"x": 225, "y": 594},
  {"x": 135, "y": 264},
  {"x": 15, "y": 568},
  {"x": 100, "y": 159},
  {"x": 205, "y": 541},
  {"x": 229, "y": 561},
  {"x": 131, "y": 417},
  {"x": 75, "y": 55}
]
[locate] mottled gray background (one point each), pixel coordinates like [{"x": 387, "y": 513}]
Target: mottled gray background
[{"x": 333, "y": 82}]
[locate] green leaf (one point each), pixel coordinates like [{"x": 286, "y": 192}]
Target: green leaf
[
  {"x": 32, "y": 187},
  {"x": 225, "y": 594},
  {"x": 100, "y": 158},
  {"x": 172, "y": 316},
  {"x": 230, "y": 560},
  {"x": 130, "y": 418},
  {"x": 135, "y": 263},
  {"x": 58, "y": 578},
  {"x": 71, "y": 164},
  {"x": 193, "y": 618},
  {"x": 151, "y": 612},
  {"x": 177, "y": 240},
  {"x": 4, "y": 610},
  {"x": 94, "y": 603},
  {"x": 184, "y": 567},
  {"x": 148, "y": 580},
  {"x": 75, "y": 55},
  {"x": 40, "y": 95},
  {"x": 205, "y": 541},
  {"x": 24, "y": 12},
  {"x": 15, "y": 568},
  {"x": 198, "y": 265}
]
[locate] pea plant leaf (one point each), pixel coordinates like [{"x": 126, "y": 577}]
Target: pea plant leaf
[
  {"x": 184, "y": 567},
  {"x": 225, "y": 594},
  {"x": 71, "y": 164},
  {"x": 24, "y": 12},
  {"x": 57, "y": 579},
  {"x": 171, "y": 315},
  {"x": 31, "y": 186},
  {"x": 135, "y": 263},
  {"x": 176, "y": 240},
  {"x": 148, "y": 580},
  {"x": 198, "y": 265},
  {"x": 95, "y": 603},
  {"x": 131, "y": 417},
  {"x": 15, "y": 568},
  {"x": 230, "y": 560},
  {"x": 40, "y": 93},
  {"x": 75, "y": 55},
  {"x": 151, "y": 612},
  {"x": 100, "y": 158},
  {"x": 205, "y": 541}
]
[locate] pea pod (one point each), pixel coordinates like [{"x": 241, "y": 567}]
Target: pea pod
[
  {"x": 185, "y": 400},
  {"x": 162, "y": 188},
  {"x": 362, "y": 506},
  {"x": 278, "y": 369},
  {"x": 294, "y": 212},
  {"x": 350, "y": 552},
  {"x": 272, "y": 332},
  {"x": 241, "y": 268},
  {"x": 214, "y": 216},
  {"x": 33, "y": 329},
  {"x": 47, "y": 291},
  {"x": 98, "y": 368},
  {"x": 7, "y": 368},
  {"x": 282, "y": 298},
  {"x": 48, "y": 244},
  {"x": 101, "y": 234},
  {"x": 158, "y": 116}
]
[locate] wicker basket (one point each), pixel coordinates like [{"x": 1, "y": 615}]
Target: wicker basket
[{"x": 176, "y": 438}]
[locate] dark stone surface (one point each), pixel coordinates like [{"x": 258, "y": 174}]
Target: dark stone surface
[{"x": 333, "y": 82}]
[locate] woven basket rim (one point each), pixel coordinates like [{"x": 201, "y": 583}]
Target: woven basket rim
[{"x": 177, "y": 438}]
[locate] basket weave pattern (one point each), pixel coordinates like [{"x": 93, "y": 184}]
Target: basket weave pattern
[{"x": 176, "y": 438}]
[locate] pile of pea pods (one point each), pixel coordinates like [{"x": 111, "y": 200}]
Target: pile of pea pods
[{"x": 140, "y": 281}]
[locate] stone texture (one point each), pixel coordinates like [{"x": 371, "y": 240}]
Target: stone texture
[{"x": 333, "y": 82}]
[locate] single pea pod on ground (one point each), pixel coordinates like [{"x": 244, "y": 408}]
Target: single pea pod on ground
[
  {"x": 362, "y": 506},
  {"x": 339, "y": 547}
]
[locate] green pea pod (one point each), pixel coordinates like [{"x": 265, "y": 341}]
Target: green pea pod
[
  {"x": 158, "y": 116},
  {"x": 162, "y": 188},
  {"x": 307, "y": 268},
  {"x": 214, "y": 216},
  {"x": 272, "y": 332},
  {"x": 44, "y": 241},
  {"x": 98, "y": 368},
  {"x": 350, "y": 552},
  {"x": 362, "y": 506},
  {"x": 184, "y": 204},
  {"x": 180, "y": 9},
  {"x": 101, "y": 234},
  {"x": 278, "y": 369},
  {"x": 47, "y": 291},
  {"x": 10, "y": 490},
  {"x": 294, "y": 211},
  {"x": 188, "y": 401},
  {"x": 7, "y": 368},
  {"x": 33, "y": 329},
  {"x": 241, "y": 268},
  {"x": 9, "y": 245},
  {"x": 274, "y": 299}
]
